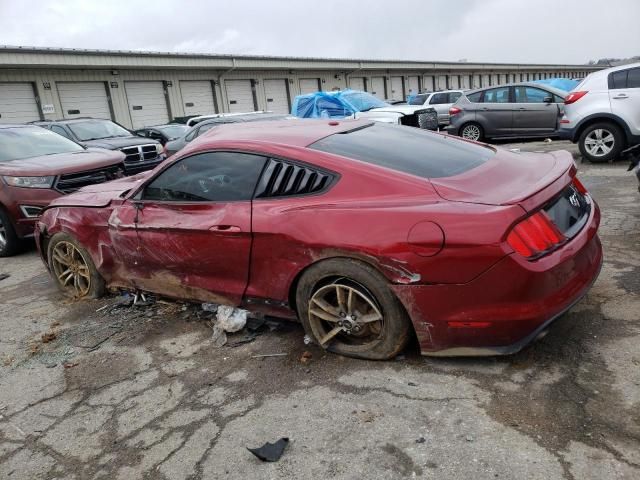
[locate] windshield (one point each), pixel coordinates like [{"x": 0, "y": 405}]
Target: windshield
[
  {"x": 27, "y": 142},
  {"x": 363, "y": 101},
  {"x": 97, "y": 129},
  {"x": 173, "y": 131},
  {"x": 419, "y": 99}
]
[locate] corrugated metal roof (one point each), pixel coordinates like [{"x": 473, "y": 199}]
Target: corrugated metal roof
[{"x": 253, "y": 61}]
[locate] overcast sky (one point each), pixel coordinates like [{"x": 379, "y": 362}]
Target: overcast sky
[{"x": 544, "y": 31}]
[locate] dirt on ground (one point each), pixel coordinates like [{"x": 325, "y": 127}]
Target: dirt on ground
[{"x": 106, "y": 390}]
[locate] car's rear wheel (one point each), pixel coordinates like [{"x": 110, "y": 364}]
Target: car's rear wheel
[
  {"x": 472, "y": 131},
  {"x": 601, "y": 142},
  {"x": 347, "y": 307},
  {"x": 73, "y": 270},
  {"x": 9, "y": 242}
]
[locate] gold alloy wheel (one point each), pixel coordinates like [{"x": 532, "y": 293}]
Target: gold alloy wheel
[
  {"x": 71, "y": 269},
  {"x": 343, "y": 309}
]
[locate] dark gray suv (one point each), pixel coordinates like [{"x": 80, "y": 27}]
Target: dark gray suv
[{"x": 514, "y": 110}]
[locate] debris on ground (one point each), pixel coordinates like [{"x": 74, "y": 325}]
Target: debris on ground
[
  {"x": 210, "y": 307},
  {"x": 231, "y": 319},
  {"x": 4, "y": 276},
  {"x": 49, "y": 337},
  {"x": 306, "y": 356},
  {"x": 265, "y": 355},
  {"x": 270, "y": 452},
  {"x": 70, "y": 364},
  {"x": 421, "y": 440},
  {"x": 218, "y": 336},
  {"x": 307, "y": 340}
]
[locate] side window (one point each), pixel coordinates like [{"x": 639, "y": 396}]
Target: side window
[
  {"x": 191, "y": 135},
  {"x": 618, "y": 79},
  {"x": 497, "y": 95},
  {"x": 475, "y": 97},
  {"x": 204, "y": 128},
  {"x": 207, "y": 177},
  {"x": 438, "y": 99},
  {"x": 60, "y": 131},
  {"x": 454, "y": 96},
  {"x": 557, "y": 99},
  {"x": 633, "y": 79},
  {"x": 530, "y": 95}
]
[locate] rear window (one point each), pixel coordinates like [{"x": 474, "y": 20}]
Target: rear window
[{"x": 406, "y": 149}]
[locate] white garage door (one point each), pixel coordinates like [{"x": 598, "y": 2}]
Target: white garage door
[
  {"x": 476, "y": 81},
  {"x": 377, "y": 87},
  {"x": 18, "y": 103},
  {"x": 454, "y": 81},
  {"x": 83, "y": 99},
  {"x": 277, "y": 95},
  {"x": 147, "y": 103},
  {"x": 428, "y": 84},
  {"x": 239, "y": 96},
  {"x": 414, "y": 85},
  {"x": 485, "y": 80},
  {"x": 309, "y": 85},
  {"x": 357, "y": 83},
  {"x": 397, "y": 92},
  {"x": 197, "y": 97},
  {"x": 441, "y": 82}
]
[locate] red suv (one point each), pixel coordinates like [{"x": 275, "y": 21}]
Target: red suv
[{"x": 36, "y": 166}]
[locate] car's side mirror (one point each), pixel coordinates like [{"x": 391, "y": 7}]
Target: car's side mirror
[{"x": 548, "y": 99}]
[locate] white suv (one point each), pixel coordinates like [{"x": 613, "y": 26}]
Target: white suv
[
  {"x": 441, "y": 101},
  {"x": 602, "y": 113}
]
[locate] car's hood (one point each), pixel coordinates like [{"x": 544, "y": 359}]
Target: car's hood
[
  {"x": 506, "y": 178},
  {"x": 119, "y": 142},
  {"x": 90, "y": 159},
  {"x": 101, "y": 194}
]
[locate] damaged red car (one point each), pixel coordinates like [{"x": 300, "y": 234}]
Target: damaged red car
[{"x": 367, "y": 233}]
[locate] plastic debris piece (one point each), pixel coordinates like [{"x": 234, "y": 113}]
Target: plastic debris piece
[
  {"x": 269, "y": 355},
  {"x": 307, "y": 340},
  {"x": 270, "y": 452},
  {"x": 231, "y": 319},
  {"x": 4, "y": 275},
  {"x": 210, "y": 307},
  {"x": 421, "y": 440}
]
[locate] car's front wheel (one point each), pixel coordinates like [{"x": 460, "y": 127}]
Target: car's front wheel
[
  {"x": 72, "y": 268},
  {"x": 9, "y": 242},
  {"x": 601, "y": 142},
  {"x": 347, "y": 307},
  {"x": 472, "y": 131}
]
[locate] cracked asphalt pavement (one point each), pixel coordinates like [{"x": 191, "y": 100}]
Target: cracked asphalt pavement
[{"x": 143, "y": 393}]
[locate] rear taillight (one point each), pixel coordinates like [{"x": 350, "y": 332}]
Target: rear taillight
[
  {"x": 574, "y": 97},
  {"x": 535, "y": 236},
  {"x": 579, "y": 186},
  {"x": 454, "y": 111}
]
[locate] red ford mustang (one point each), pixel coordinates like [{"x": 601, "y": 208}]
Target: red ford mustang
[{"x": 366, "y": 232}]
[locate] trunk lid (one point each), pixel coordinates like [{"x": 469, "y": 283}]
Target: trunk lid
[{"x": 510, "y": 178}]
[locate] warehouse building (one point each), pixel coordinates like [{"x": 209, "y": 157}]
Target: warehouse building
[{"x": 139, "y": 89}]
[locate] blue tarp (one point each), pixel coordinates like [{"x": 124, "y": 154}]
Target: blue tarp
[
  {"x": 339, "y": 104},
  {"x": 566, "y": 84}
]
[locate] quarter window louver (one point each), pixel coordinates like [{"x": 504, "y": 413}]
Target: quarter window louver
[{"x": 284, "y": 179}]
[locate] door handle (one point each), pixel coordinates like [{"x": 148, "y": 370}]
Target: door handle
[
  {"x": 522, "y": 108},
  {"x": 621, "y": 96},
  {"x": 225, "y": 229}
]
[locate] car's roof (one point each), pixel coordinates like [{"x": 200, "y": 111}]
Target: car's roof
[
  {"x": 299, "y": 133},
  {"x": 560, "y": 93},
  {"x": 15, "y": 125},
  {"x": 72, "y": 120},
  {"x": 605, "y": 72},
  {"x": 245, "y": 117}
]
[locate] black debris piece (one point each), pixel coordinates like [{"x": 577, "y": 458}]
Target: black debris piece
[
  {"x": 270, "y": 452},
  {"x": 4, "y": 275}
]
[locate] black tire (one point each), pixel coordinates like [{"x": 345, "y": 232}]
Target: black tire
[
  {"x": 391, "y": 333},
  {"x": 94, "y": 282},
  {"x": 608, "y": 130},
  {"x": 9, "y": 241},
  {"x": 476, "y": 127}
]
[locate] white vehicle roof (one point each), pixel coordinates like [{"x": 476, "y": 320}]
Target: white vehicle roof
[
  {"x": 600, "y": 77},
  {"x": 192, "y": 121}
]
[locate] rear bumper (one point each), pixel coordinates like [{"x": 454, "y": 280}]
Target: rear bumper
[
  {"x": 566, "y": 133},
  {"x": 507, "y": 307}
]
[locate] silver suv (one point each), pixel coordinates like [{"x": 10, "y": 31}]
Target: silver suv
[{"x": 602, "y": 113}]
